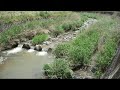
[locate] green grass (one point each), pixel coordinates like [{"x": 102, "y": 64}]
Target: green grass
[
  {"x": 83, "y": 47},
  {"x": 12, "y": 17},
  {"x": 106, "y": 55},
  {"x": 58, "y": 69},
  {"x": 62, "y": 50},
  {"x": 54, "y": 19},
  {"x": 80, "y": 50},
  {"x": 38, "y": 39},
  {"x": 71, "y": 25},
  {"x": 91, "y": 15}
]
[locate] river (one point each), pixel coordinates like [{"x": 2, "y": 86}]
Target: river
[{"x": 23, "y": 64}]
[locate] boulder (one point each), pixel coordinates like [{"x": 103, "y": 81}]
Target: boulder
[
  {"x": 17, "y": 41},
  {"x": 14, "y": 44},
  {"x": 46, "y": 42},
  {"x": 49, "y": 50},
  {"x": 26, "y": 46},
  {"x": 23, "y": 39},
  {"x": 10, "y": 45},
  {"x": 38, "y": 48}
]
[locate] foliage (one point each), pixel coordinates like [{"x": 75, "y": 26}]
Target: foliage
[
  {"x": 59, "y": 69},
  {"x": 39, "y": 38},
  {"x": 62, "y": 50}
]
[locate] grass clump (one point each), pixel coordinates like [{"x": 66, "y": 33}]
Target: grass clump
[
  {"x": 79, "y": 51},
  {"x": 72, "y": 26},
  {"x": 82, "y": 50},
  {"x": 38, "y": 39},
  {"x": 62, "y": 50},
  {"x": 59, "y": 69},
  {"x": 105, "y": 57},
  {"x": 108, "y": 51},
  {"x": 57, "y": 31},
  {"x": 44, "y": 14}
]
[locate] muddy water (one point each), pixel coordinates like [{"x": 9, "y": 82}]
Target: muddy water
[{"x": 24, "y": 64}]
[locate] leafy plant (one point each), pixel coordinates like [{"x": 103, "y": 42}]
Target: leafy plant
[
  {"x": 105, "y": 57},
  {"x": 44, "y": 14},
  {"x": 62, "y": 50},
  {"x": 39, "y": 38},
  {"x": 59, "y": 69}
]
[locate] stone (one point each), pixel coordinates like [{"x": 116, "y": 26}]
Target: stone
[
  {"x": 17, "y": 40},
  {"x": 93, "y": 69},
  {"x": 11, "y": 45},
  {"x": 49, "y": 38},
  {"x": 38, "y": 48},
  {"x": 23, "y": 39},
  {"x": 26, "y": 46},
  {"x": 88, "y": 77},
  {"x": 14, "y": 44},
  {"x": 46, "y": 42},
  {"x": 49, "y": 50},
  {"x": 30, "y": 35}
]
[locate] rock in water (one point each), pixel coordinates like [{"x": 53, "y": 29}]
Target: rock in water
[
  {"x": 49, "y": 50},
  {"x": 38, "y": 48},
  {"x": 26, "y": 46},
  {"x": 15, "y": 44}
]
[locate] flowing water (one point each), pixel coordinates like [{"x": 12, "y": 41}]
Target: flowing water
[{"x": 20, "y": 63}]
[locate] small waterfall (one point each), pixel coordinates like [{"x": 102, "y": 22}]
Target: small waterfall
[{"x": 15, "y": 50}]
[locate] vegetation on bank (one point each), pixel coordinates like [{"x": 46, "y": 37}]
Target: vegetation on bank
[
  {"x": 109, "y": 49},
  {"x": 59, "y": 69},
  {"x": 57, "y": 22},
  {"x": 38, "y": 39},
  {"x": 101, "y": 38}
]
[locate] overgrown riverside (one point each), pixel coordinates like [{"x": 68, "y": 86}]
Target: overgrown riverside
[{"x": 92, "y": 50}]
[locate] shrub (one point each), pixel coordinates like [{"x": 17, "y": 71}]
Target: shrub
[
  {"x": 59, "y": 69},
  {"x": 71, "y": 26},
  {"x": 76, "y": 54},
  {"x": 55, "y": 33},
  {"x": 83, "y": 47},
  {"x": 62, "y": 50},
  {"x": 39, "y": 38},
  {"x": 105, "y": 57},
  {"x": 44, "y": 14}
]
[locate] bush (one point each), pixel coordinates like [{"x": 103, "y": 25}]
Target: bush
[
  {"x": 80, "y": 50},
  {"x": 71, "y": 26},
  {"x": 83, "y": 47},
  {"x": 62, "y": 50},
  {"x": 55, "y": 33},
  {"x": 44, "y": 14},
  {"x": 39, "y": 38},
  {"x": 90, "y": 15},
  {"x": 59, "y": 69},
  {"x": 105, "y": 56},
  {"x": 76, "y": 54}
]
